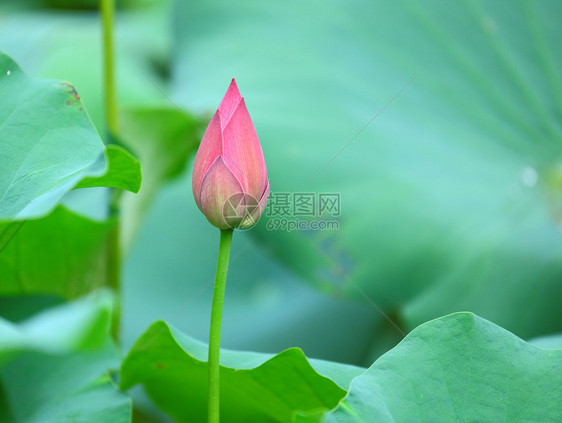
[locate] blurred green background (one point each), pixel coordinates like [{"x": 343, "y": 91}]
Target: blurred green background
[{"x": 450, "y": 198}]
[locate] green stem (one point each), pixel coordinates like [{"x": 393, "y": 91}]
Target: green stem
[
  {"x": 113, "y": 264},
  {"x": 108, "y": 12},
  {"x": 113, "y": 250},
  {"x": 216, "y": 317}
]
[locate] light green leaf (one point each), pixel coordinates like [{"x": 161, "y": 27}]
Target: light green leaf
[
  {"x": 54, "y": 366},
  {"x": 66, "y": 45},
  {"x": 49, "y": 145},
  {"x": 48, "y": 142},
  {"x": 446, "y": 190},
  {"x": 254, "y": 387},
  {"x": 59, "y": 330},
  {"x": 62, "y": 254},
  {"x": 458, "y": 368},
  {"x": 124, "y": 171},
  {"x": 55, "y": 389}
]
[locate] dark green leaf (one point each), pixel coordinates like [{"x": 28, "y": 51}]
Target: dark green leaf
[
  {"x": 7, "y": 232},
  {"x": 254, "y": 387},
  {"x": 62, "y": 254},
  {"x": 17, "y": 309},
  {"x": 124, "y": 171}
]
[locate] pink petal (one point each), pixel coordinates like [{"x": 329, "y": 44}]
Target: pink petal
[
  {"x": 229, "y": 103},
  {"x": 209, "y": 149},
  {"x": 242, "y": 152},
  {"x": 219, "y": 184},
  {"x": 255, "y": 215}
]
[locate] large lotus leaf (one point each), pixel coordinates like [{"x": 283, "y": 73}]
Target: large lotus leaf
[
  {"x": 447, "y": 200},
  {"x": 254, "y": 387},
  {"x": 38, "y": 388},
  {"x": 48, "y": 143},
  {"x": 458, "y": 368},
  {"x": 62, "y": 254},
  {"x": 55, "y": 365}
]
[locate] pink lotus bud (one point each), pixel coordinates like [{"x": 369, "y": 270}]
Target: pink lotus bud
[{"x": 230, "y": 183}]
